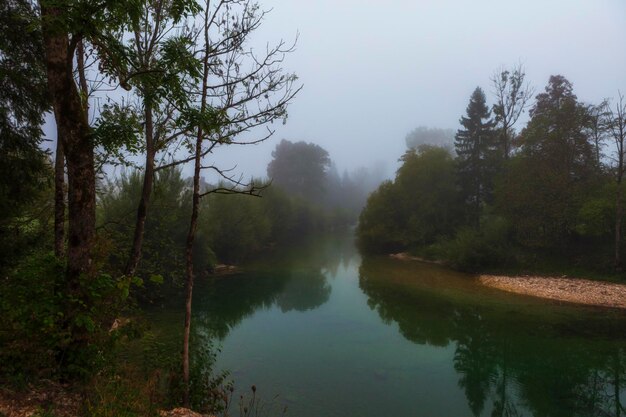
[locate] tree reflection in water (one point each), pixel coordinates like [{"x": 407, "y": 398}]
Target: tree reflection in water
[
  {"x": 531, "y": 358},
  {"x": 287, "y": 280}
]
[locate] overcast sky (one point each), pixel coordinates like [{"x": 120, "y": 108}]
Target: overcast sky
[{"x": 373, "y": 70}]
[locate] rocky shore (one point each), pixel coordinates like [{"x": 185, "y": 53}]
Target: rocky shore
[{"x": 572, "y": 290}]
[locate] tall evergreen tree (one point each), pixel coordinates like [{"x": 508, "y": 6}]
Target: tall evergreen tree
[
  {"x": 23, "y": 102},
  {"x": 477, "y": 155}
]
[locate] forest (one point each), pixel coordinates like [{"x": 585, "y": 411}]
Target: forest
[
  {"x": 130, "y": 251},
  {"x": 498, "y": 196},
  {"x": 83, "y": 244}
]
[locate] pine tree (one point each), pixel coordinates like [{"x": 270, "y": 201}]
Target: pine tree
[{"x": 477, "y": 155}]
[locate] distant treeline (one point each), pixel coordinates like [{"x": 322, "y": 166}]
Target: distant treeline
[
  {"x": 505, "y": 198},
  {"x": 305, "y": 198}
]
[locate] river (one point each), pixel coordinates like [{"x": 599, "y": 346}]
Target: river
[{"x": 326, "y": 332}]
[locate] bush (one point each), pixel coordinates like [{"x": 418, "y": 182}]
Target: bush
[
  {"x": 471, "y": 249},
  {"x": 49, "y": 330},
  {"x": 418, "y": 207}
]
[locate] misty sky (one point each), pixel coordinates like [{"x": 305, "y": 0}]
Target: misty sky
[{"x": 372, "y": 71}]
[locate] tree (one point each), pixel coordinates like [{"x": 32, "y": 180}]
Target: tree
[
  {"x": 67, "y": 31},
  {"x": 477, "y": 155},
  {"x": 251, "y": 88},
  {"x": 60, "y": 34},
  {"x": 512, "y": 96},
  {"x": 598, "y": 129},
  {"x": 299, "y": 168},
  {"x": 418, "y": 208},
  {"x": 23, "y": 102},
  {"x": 230, "y": 101},
  {"x": 164, "y": 229},
  {"x": 426, "y": 180},
  {"x": 165, "y": 69},
  {"x": 616, "y": 122},
  {"x": 549, "y": 180},
  {"x": 380, "y": 227},
  {"x": 433, "y": 136}
]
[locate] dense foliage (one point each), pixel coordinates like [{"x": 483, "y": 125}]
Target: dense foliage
[
  {"x": 486, "y": 208},
  {"x": 417, "y": 208},
  {"x": 194, "y": 86},
  {"x": 61, "y": 311},
  {"x": 24, "y": 167}
]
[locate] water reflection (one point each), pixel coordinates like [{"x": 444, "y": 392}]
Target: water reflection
[
  {"x": 307, "y": 291},
  {"x": 513, "y": 357},
  {"x": 286, "y": 280}
]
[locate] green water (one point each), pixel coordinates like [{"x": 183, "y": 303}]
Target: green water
[{"x": 332, "y": 334}]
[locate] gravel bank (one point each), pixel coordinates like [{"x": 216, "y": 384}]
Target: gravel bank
[{"x": 581, "y": 291}]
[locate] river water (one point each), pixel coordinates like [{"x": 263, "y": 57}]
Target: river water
[{"x": 325, "y": 332}]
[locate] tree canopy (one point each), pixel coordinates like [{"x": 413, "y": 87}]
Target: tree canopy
[
  {"x": 299, "y": 168},
  {"x": 477, "y": 154}
]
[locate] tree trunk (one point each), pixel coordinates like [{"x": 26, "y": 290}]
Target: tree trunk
[
  {"x": 191, "y": 235},
  {"x": 73, "y": 129},
  {"x": 618, "y": 225},
  {"x": 146, "y": 192},
  {"x": 618, "y": 199},
  {"x": 507, "y": 142},
  {"x": 616, "y": 386},
  {"x": 59, "y": 199},
  {"x": 194, "y": 215}
]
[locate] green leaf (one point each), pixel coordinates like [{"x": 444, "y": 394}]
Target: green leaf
[{"x": 156, "y": 278}]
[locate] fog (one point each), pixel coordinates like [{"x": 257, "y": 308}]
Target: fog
[{"x": 374, "y": 71}]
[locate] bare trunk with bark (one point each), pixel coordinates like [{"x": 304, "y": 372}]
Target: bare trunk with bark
[
  {"x": 618, "y": 223},
  {"x": 59, "y": 199},
  {"x": 189, "y": 264},
  {"x": 195, "y": 207},
  {"x": 73, "y": 127},
  {"x": 146, "y": 192}
]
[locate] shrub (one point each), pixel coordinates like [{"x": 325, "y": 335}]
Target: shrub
[
  {"x": 50, "y": 330},
  {"x": 472, "y": 249}
]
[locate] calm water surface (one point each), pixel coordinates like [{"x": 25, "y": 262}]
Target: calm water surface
[{"x": 333, "y": 334}]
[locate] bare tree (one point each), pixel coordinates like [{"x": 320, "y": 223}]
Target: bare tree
[
  {"x": 512, "y": 98},
  {"x": 616, "y": 123},
  {"x": 250, "y": 90},
  {"x": 240, "y": 91},
  {"x": 597, "y": 127}
]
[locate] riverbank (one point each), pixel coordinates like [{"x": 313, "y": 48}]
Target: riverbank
[
  {"x": 58, "y": 400},
  {"x": 571, "y": 290},
  {"x": 405, "y": 256},
  {"x": 594, "y": 292}
]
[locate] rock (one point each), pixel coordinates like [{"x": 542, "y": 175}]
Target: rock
[
  {"x": 118, "y": 323},
  {"x": 223, "y": 269},
  {"x": 182, "y": 412}
]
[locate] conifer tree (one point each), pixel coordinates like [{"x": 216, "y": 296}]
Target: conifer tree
[{"x": 477, "y": 155}]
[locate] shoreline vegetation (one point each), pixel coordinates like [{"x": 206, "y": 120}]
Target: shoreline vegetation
[
  {"x": 542, "y": 200},
  {"x": 596, "y": 293}
]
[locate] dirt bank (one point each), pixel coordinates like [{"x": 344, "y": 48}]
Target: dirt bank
[
  {"x": 581, "y": 291},
  {"x": 404, "y": 256}
]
